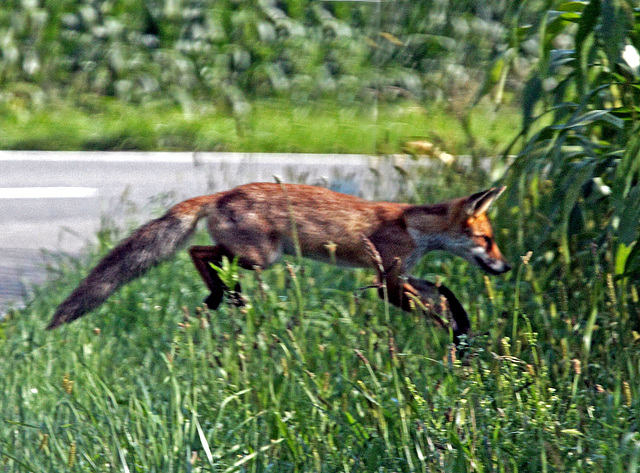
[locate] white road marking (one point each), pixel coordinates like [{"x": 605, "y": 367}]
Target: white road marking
[
  {"x": 47, "y": 192},
  {"x": 187, "y": 157}
]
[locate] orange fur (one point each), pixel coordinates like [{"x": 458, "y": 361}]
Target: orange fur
[{"x": 259, "y": 222}]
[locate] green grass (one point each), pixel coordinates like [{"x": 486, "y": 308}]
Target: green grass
[
  {"x": 316, "y": 375},
  {"x": 92, "y": 123}
]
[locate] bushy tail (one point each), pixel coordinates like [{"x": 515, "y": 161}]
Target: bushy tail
[{"x": 151, "y": 244}]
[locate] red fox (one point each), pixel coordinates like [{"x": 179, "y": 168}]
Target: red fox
[{"x": 258, "y": 223}]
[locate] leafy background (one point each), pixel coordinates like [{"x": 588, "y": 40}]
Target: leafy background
[
  {"x": 70, "y": 68},
  {"x": 185, "y": 50}
]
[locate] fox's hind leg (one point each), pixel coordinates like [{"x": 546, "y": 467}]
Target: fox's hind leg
[
  {"x": 251, "y": 254},
  {"x": 203, "y": 257}
]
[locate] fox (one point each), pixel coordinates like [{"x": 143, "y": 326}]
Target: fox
[{"x": 258, "y": 223}]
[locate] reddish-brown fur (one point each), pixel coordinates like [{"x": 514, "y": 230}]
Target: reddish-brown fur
[{"x": 259, "y": 222}]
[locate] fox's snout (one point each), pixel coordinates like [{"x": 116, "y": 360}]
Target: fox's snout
[
  {"x": 491, "y": 261},
  {"x": 493, "y": 267}
]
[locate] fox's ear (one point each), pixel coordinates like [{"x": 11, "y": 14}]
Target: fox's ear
[{"x": 479, "y": 203}]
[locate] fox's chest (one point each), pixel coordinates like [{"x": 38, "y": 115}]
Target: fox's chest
[{"x": 423, "y": 244}]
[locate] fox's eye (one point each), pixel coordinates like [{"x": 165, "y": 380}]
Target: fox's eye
[{"x": 487, "y": 240}]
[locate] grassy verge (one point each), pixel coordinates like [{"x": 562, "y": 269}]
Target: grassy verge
[
  {"x": 315, "y": 375},
  {"x": 92, "y": 123}
]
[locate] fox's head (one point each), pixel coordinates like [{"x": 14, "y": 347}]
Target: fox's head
[
  {"x": 461, "y": 227},
  {"x": 481, "y": 248}
]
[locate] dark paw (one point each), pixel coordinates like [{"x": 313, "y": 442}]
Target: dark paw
[{"x": 214, "y": 300}]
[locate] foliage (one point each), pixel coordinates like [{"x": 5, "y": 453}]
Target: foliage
[
  {"x": 314, "y": 374},
  {"x": 575, "y": 179},
  {"x": 223, "y": 58},
  {"x": 233, "y": 51},
  {"x": 439, "y": 49}
]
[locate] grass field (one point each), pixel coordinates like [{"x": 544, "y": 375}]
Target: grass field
[
  {"x": 93, "y": 123},
  {"x": 317, "y": 375}
]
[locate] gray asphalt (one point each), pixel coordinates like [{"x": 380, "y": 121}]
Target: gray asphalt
[{"x": 130, "y": 186}]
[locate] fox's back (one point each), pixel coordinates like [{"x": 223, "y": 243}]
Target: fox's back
[{"x": 319, "y": 218}]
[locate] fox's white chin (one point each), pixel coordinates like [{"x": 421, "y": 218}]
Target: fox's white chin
[{"x": 493, "y": 267}]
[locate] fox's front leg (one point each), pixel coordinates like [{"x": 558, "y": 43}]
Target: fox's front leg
[
  {"x": 435, "y": 293},
  {"x": 401, "y": 293}
]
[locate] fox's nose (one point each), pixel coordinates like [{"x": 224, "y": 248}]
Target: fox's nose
[{"x": 507, "y": 267}]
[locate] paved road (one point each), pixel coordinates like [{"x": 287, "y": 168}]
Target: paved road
[{"x": 55, "y": 200}]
